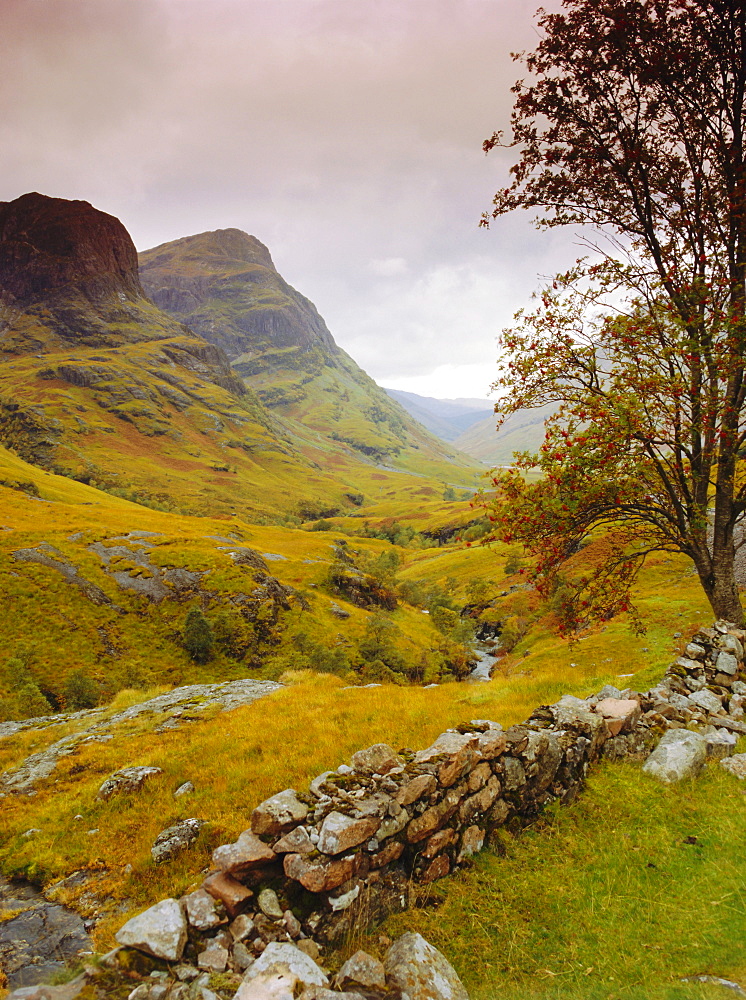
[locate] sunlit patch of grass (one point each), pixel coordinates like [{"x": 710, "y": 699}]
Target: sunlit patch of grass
[{"x": 618, "y": 896}]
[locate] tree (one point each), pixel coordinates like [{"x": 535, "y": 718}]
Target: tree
[
  {"x": 633, "y": 127},
  {"x": 81, "y": 691},
  {"x": 198, "y": 638}
]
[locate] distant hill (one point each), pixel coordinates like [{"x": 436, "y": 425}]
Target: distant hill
[
  {"x": 448, "y": 418},
  {"x": 225, "y": 287},
  {"x": 522, "y": 431}
]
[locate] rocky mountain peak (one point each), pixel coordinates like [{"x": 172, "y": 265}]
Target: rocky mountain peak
[
  {"x": 222, "y": 245},
  {"x": 51, "y": 244}
]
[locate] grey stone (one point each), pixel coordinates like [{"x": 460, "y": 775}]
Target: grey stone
[
  {"x": 269, "y": 904},
  {"x": 694, "y": 651},
  {"x": 281, "y": 957},
  {"x": 160, "y": 931},
  {"x": 731, "y": 644},
  {"x": 339, "y": 833},
  {"x": 707, "y": 700},
  {"x": 242, "y": 957},
  {"x": 202, "y": 912},
  {"x": 175, "y": 839},
  {"x": 378, "y": 759},
  {"x": 279, "y": 813},
  {"x": 361, "y": 969},
  {"x": 608, "y": 691},
  {"x": 738, "y": 687},
  {"x": 127, "y": 779},
  {"x": 242, "y": 927},
  {"x": 186, "y": 789},
  {"x": 735, "y": 765},
  {"x": 420, "y": 971},
  {"x": 727, "y": 663},
  {"x": 680, "y": 754}
]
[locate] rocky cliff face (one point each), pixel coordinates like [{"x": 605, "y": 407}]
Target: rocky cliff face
[
  {"x": 51, "y": 245},
  {"x": 224, "y": 285}
]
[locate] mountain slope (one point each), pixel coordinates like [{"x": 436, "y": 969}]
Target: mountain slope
[
  {"x": 448, "y": 418},
  {"x": 522, "y": 431},
  {"x": 224, "y": 285},
  {"x": 98, "y": 383}
]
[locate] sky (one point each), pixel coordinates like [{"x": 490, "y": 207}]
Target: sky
[{"x": 346, "y": 135}]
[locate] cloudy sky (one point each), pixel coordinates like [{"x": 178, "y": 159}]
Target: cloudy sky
[{"x": 344, "y": 134}]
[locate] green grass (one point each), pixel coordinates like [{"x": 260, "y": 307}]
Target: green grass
[{"x": 605, "y": 900}]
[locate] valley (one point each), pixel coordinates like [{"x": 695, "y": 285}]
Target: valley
[{"x": 227, "y": 554}]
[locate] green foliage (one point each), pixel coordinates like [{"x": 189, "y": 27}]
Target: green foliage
[
  {"x": 81, "y": 691},
  {"x": 449, "y": 493},
  {"x": 513, "y": 562},
  {"x": 198, "y": 636},
  {"x": 31, "y": 702}
]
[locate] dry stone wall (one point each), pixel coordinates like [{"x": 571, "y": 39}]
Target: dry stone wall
[{"x": 314, "y": 864}]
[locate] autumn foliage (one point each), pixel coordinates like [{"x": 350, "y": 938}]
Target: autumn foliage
[{"x": 632, "y": 127}]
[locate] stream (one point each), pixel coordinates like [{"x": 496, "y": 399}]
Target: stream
[{"x": 486, "y": 661}]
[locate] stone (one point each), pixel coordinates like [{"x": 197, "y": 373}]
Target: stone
[
  {"x": 295, "y": 842},
  {"x": 434, "y": 818},
  {"x": 201, "y": 911},
  {"x": 390, "y": 853},
  {"x": 175, "y": 839},
  {"x": 232, "y": 894},
  {"x": 292, "y": 924},
  {"x": 309, "y": 947},
  {"x": 438, "y": 842},
  {"x": 694, "y": 651},
  {"x": 707, "y": 700},
  {"x": 438, "y": 868},
  {"x": 241, "y": 956},
  {"x": 582, "y": 720},
  {"x": 514, "y": 774},
  {"x": 339, "y": 833},
  {"x": 320, "y": 876},
  {"x": 479, "y": 777},
  {"x": 269, "y": 904},
  {"x": 127, "y": 779},
  {"x": 279, "y": 813},
  {"x": 414, "y": 967},
  {"x": 731, "y": 644},
  {"x": 361, "y": 969},
  {"x": 418, "y": 788},
  {"x": 451, "y": 755},
  {"x": 282, "y": 957},
  {"x": 498, "y": 813},
  {"x": 66, "y": 991},
  {"x": 247, "y": 854},
  {"x": 680, "y": 754},
  {"x": 393, "y": 824},
  {"x": 621, "y": 714},
  {"x": 735, "y": 765},
  {"x": 378, "y": 759},
  {"x": 160, "y": 931},
  {"x": 480, "y": 802},
  {"x": 186, "y": 789},
  {"x": 720, "y": 744},
  {"x": 276, "y": 985},
  {"x": 472, "y": 841},
  {"x": 242, "y": 927},
  {"x": 727, "y": 663},
  {"x": 609, "y": 691},
  {"x": 213, "y": 959},
  {"x": 322, "y": 993}
]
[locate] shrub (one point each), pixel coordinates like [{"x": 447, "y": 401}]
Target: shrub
[
  {"x": 198, "y": 638},
  {"x": 80, "y": 691}
]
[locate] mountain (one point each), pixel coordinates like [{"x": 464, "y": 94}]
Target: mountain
[
  {"x": 448, "y": 418},
  {"x": 225, "y": 286},
  {"x": 522, "y": 431},
  {"x": 97, "y": 383}
]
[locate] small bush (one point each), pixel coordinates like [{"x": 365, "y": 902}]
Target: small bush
[{"x": 198, "y": 637}]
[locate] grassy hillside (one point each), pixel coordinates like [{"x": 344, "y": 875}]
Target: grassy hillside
[
  {"x": 522, "y": 431},
  {"x": 225, "y": 286}
]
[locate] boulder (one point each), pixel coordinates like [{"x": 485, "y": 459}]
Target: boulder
[
  {"x": 378, "y": 759},
  {"x": 175, "y": 839},
  {"x": 128, "y": 779},
  {"x": 246, "y": 854},
  {"x": 727, "y": 663},
  {"x": 420, "y": 971},
  {"x": 679, "y": 754},
  {"x": 735, "y": 765},
  {"x": 621, "y": 714},
  {"x": 269, "y": 904},
  {"x": 450, "y": 756},
  {"x": 361, "y": 969},
  {"x": 339, "y": 832},
  {"x": 281, "y": 958},
  {"x": 202, "y": 912},
  {"x": 278, "y": 814},
  {"x": 707, "y": 700},
  {"x": 160, "y": 931},
  {"x": 232, "y": 894},
  {"x": 268, "y": 986}
]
